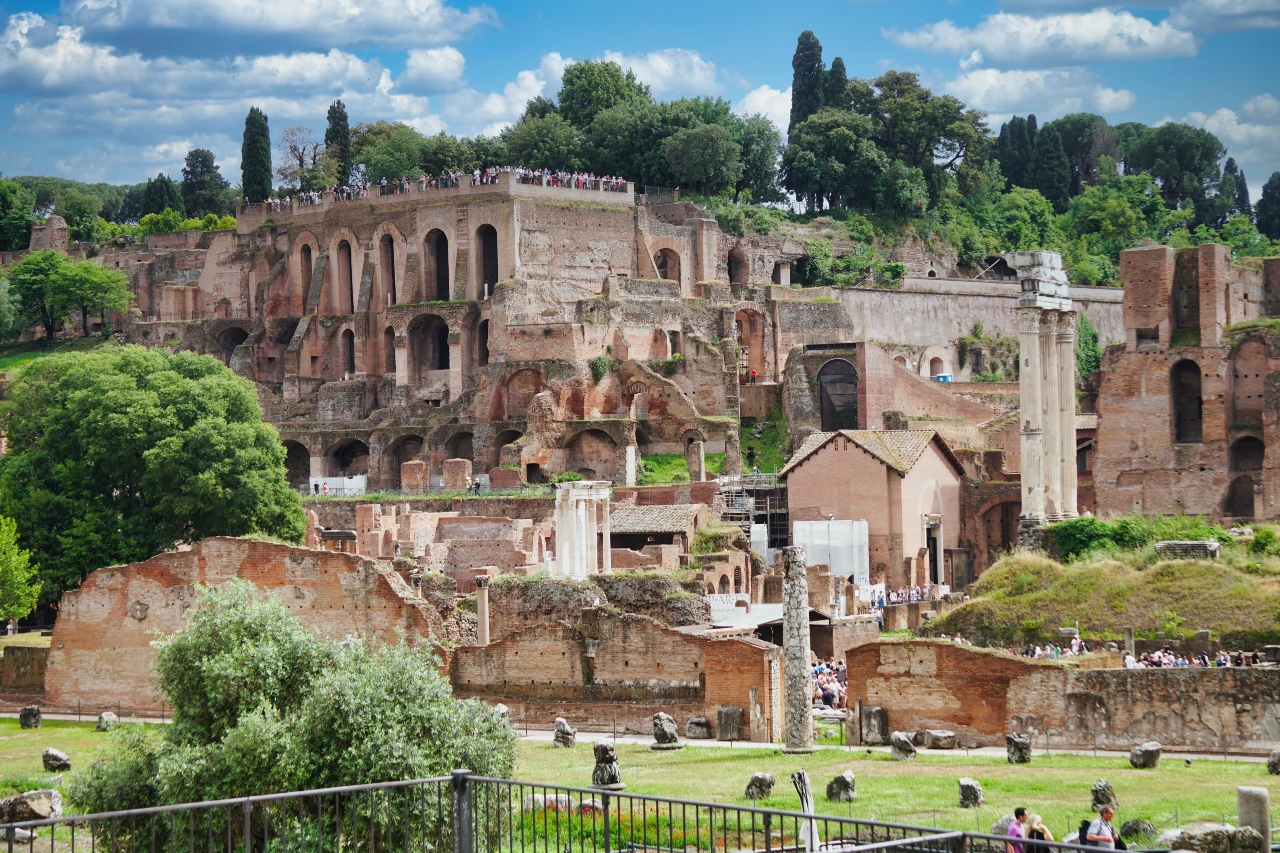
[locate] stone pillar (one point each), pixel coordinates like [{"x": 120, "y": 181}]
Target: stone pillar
[
  {"x": 455, "y": 365},
  {"x": 1051, "y": 423},
  {"x": 606, "y": 540},
  {"x": 1128, "y": 640},
  {"x": 797, "y": 681},
  {"x": 1032, "y": 515},
  {"x": 1067, "y": 411},
  {"x": 482, "y": 610},
  {"x": 695, "y": 460},
  {"x": 583, "y": 550},
  {"x": 1253, "y": 808},
  {"x": 402, "y": 361}
]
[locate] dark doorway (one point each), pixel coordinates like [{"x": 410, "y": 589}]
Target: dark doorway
[
  {"x": 1239, "y": 502},
  {"x": 838, "y": 381},
  {"x": 1188, "y": 411},
  {"x": 437, "y": 263},
  {"x": 387, "y": 262},
  {"x": 487, "y": 240},
  {"x": 345, "y": 301},
  {"x": 349, "y": 352}
]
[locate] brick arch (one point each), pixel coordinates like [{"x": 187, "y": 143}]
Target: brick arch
[
  {"x": 980, "y": 526},
  {"x": 927, "y": 357},
  {"x": 332, "y": 300},
  {"x": 298, "y": 272},
  {"x": 404, "y": 289}
]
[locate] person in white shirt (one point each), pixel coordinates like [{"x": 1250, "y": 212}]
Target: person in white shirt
[{"x": 1101, "y": 832}]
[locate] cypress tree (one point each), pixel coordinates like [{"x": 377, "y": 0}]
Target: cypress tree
[
  {"x": 1268, "y": 207},
  {"x": 337, "y": 140},
  {"x": 835, "y": 86},
  {"x": 807, "y": 72},
  {"x": 161, "y": 193},
  {"x": 1050, "y": 170},
  {"x": 1234, "y": 185},
  {"x": 255, "y": 157}
]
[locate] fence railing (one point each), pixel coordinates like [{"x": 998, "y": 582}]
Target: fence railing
[{"x": 470, "y": 814}]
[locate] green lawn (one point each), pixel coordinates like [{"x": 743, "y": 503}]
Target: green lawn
[
  {"x": 924, "y": 791},
  {"x": 20, "y": 766},
  {"x": 17, "y": 355}
]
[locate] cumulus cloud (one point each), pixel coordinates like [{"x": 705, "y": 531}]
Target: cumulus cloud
[
  {"x": 1047, "y": 93},
  {"x": 1250, "y": 136},
  {"x": 1013, "y": 40},
  {"x": 674, "y": 71},
  {"x": 436, "y": 69},
  {"x": 772, "y": 103},
  {"x": 384, "y": 23},
  {"x": 1207, "y": 16},
  {"x": 470, "y": 111}
]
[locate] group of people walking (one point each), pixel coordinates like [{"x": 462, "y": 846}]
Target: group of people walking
[{"x": 1029, "y": 829}]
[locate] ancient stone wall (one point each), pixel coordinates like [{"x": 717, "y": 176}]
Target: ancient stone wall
[
  {"x": 982, "y": 695},
  {"x": 102, "y": 652}
]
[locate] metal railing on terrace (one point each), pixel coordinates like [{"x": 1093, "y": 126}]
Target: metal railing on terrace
[{"x": 469, "y": 814}]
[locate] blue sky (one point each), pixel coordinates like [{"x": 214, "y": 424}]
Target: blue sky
[{"x": 118, "y": 90}]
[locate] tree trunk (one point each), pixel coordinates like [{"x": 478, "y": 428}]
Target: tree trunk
[{"x": 84, "y": 320}]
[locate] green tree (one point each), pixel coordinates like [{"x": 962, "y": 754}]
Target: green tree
[
  {"x": 19, "y": 586},
  {"x": 807, "y": 72},
  {"x": 902, "y": 192},
  {"x": 123, "y": 452},
  {"x": 1025, "y": 220},
  {"x": 445, "y": 153},
  {"x": 705, "y": 156},
  {"x": 1079, "y": 132},
  {"x": 10, "y": 324},
  {"x": 761, "y": 145},
  {"x": 1267, "y": 210},
  {"x": 1235, "y": 189},
  {"x": 394, "y": 155},
  {"x": 830, "y": 157},
  {"x": 94, "y": 289},
  {"x": 35, "y": 284},
  {"x": 1108, "y": 220},
  {"x": 1050, "y": 171},
  {"x": 593, "y": 86},
  {"x": 539, "y": 107},
  {"x": 912, "y": 124},
  {"x": 255, "y": 158},
  {"x": 261, "y": 704},
  {"x": 337, "y": 141},
  {"x": 1088, "y": 350},
  {"x": 202, "y": 184},
  {"x": 165, "y": 222},
  {"x": 161, "y": 194},
  {"x": 80, "y": 210},
  {"x": 1184, "y": 162},
  {"x": 835, "y": 86},
  {"x": 549, "y": 142},
  {"x": 17, "y": 213}
]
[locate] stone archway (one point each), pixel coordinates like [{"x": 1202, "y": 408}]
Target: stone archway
[
  {"x": 667, "y": 263},
  {"x": 593, "y": 454},
  {"x": 428, "y": 348},
  {"x": 838, "y": 391},
  {"x": 404, "y": 449},
  {"x": 348, "y": 458},
  {"x": 297, "y": 463},
  {"x": 435, "y": 263}
]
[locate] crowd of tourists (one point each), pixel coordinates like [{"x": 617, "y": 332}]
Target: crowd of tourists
[
  {"x": 830, "y": 683},
  {"x": 1167, "y": 657},
  {"x": 1028, "y": 829}
]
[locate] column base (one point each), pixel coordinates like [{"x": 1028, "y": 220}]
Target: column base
[{"x": 1031, "y": 532}]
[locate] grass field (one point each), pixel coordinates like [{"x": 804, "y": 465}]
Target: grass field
[
  {"x": 20, "y": 766},
  {"x": 14, "y": 356},
  {"x": 924, "y": 791}
]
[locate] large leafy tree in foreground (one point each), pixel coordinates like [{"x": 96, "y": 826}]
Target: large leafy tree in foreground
[
  {"x": 120, "y": 453},
  {"x": 261, "y": 705}
]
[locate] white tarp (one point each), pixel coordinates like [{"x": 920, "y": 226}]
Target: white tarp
[
  {"x": 840, "y": 545},
  {"x": 724, "y": 605},
  {"x": 340, "y": 486},
  {"x": 760, "y": 539}
]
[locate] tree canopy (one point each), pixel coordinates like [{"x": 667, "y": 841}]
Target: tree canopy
[
  {"x": 162, "y": 194},
  {"x": 337, "y": 142},
  {"x": 117, "y": 454},
  {"x": 590, "y": 87},
  {"x": 255, "y": 158},
  {"x": 19, "y": 586},
  {"x": 807, "y": 72},
  {"x": 17, "y": 213},
  {"x": 203, "y": 187},
  {"x": 262, "y": 705}
]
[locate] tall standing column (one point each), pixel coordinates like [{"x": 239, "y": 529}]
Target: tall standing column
[
  {"x": 1052, "y": 423},
  {"x": 606, "y": 539},
  {"x": 1067, "y": 411},
  {"x": 482, "y": 610},
  {"x": 796, "y": 677},
  {"x": 1032, "y": 515},
  {"x": 580, "y": 558}
]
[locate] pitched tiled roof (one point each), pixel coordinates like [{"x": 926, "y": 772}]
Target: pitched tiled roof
[
  {"x": 668, "y": 518},
  {"x": 899, "y": 449}
]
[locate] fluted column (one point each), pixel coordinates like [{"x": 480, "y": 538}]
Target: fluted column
[
  {"x": 1067, "y": 411},
  {"x": 1051, "y": 403},
  {"x": 1029, "y": 385}
]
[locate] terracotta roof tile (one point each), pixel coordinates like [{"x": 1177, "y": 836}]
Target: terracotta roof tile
[
  {"x": 663, "y": 518},
  {"x": 899, "y": 449}
]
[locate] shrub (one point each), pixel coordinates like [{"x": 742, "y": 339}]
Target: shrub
[
  {"x": 566, "y": 477},
  {"x": 602, "y": 366},
  {"x": 1264, "y": 542}
]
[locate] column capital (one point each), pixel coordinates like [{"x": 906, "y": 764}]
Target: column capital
[
  {"x": 1067, "y": 321},
  {"x": 1029, "y": 319}
]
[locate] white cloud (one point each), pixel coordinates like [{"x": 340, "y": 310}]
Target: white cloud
[
  {"x": 1011, "y": 40},
  {"x": 1204, "y": 16},
  {"x": 471, "y": 111},
  {"x": 435, "y": 69},
  {"x": 673, "y": 71},
  {"x": 774, "y": 104},
  {"x": 386, "y": 23},
  {"x": 1047, "y": 93},
  {"x": 1251, "y": 140}
]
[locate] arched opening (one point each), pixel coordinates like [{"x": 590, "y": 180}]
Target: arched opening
[
  {"x": 900, "y": 360},
  {"x": 482, "y": 343},
  {"x": 592, "y": 453},
  {"x": 346, "y": 298},
  {"x": 297, "y": 464},
  {"x": 838, "y": 381},
  {"x": 737, "y": 270},
  {"x": 501, "y": 440},
  {"x": 487, "y": 244},
  {"x": 724, "y": 584},
  {"x": 349, "y": 352},
  {"x": 435, "y": 259},
  {"x": 306, "y": 267},
  {"x": 711, "y": 588},
  {"x": 521, "y": 388},
  {"x": 749, "y": 329},
  {"x": 404, "y": 449},
  {"x": 229, "y": 340},
  {"x": 1188, "y": 408},
  {"x": 667, "y": 263},
  {"x": 1247, "y": 454},
  {"x": 936, "y": 367},
  {"x": 1000, "y": 529},
  {"x": 461, "y": 446},
  {"x": 387, "y": 269},
  {"x": 428, "y": 347},
  {"x": 1239, "y": 500},
  {"x": 349, "y": 459},
  {"x": 737, "y": 579},
  {"x": 389, "y": 351},
  {"x": 933, "y": 274}
]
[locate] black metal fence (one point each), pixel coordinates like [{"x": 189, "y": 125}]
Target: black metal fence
[{"x": 470, "y": 814}]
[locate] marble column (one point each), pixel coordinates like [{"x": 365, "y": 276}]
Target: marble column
[
  {"x": 606, "y": 540},
  {"x": 1029, "y": 384},
  {"x": 1067, "y": 411},
  {"x": 796, "y": 670},
  {"x": 1052, "y": 423},
  {"x": 482, "y": 610}
]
